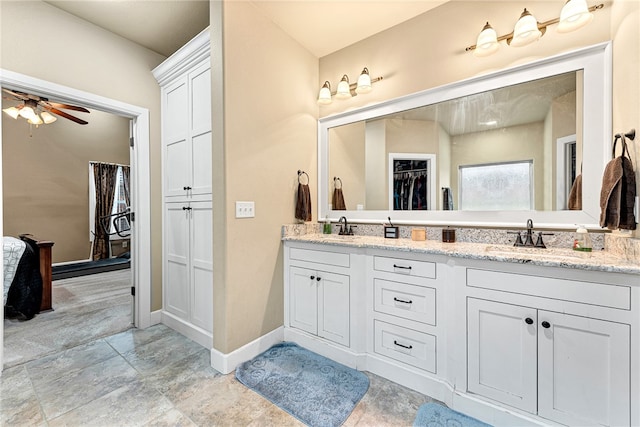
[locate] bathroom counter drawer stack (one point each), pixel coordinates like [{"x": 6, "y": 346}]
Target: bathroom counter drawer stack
[{"x": 404, "y": 311}]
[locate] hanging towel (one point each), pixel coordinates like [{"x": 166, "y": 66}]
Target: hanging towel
[
  {"x": 337, "y": 201},
  {"x": 618, "y": 191},
  {"x": 303, "y": 203},
  {"x": 575, "y": 195}
]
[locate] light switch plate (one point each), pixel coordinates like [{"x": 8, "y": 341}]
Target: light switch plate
[{"x": 245, "y": 209}]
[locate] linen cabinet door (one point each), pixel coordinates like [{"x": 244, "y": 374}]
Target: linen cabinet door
[
  {"x": 333, "y": 307},
  {"x": 584, "y": 372},
  {"x": 502, "y": 356},
  {"x": 201, "y": 268},
  {"x": 200, "y": 129},
  {"x": 303, "y": 294},
  {"x": 175, "y": 137},
  {"x": 176, "y": 243}
]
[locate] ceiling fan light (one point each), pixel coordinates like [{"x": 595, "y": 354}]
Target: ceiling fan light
[
  {"x": 27, "y": 112},
  {"x": 343, "y": 91},
  {"x": 526, "y": 30},
  {"x": 364, "y": 82},
  {"x": 13, "y": 112},
  {"x": 575, "y": 14},
  {"x": 324, "y": 97},
  {"x": 487, "y": 42},
  {"x": 47, "y": 117},
  {"x": 35, "y": 120}
]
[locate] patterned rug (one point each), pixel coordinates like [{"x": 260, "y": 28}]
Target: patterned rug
[
  {"x": 434, "y": 415},
  {"x": 316, "y": 390}
]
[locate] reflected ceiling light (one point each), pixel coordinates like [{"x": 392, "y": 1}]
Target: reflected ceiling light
[
  {"x": 526, "y": 30},
  {"x": 12, "y": 111},
  {"x": 574, "y": 15},
  {"x": 346, "y": 90}
]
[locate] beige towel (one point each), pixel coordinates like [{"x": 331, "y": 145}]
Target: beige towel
[
  {"x": 575, "y": 195},
  {"x": 337, "y": 201}
]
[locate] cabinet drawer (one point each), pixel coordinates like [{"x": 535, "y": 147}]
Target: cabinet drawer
[
  {"x": 405, "y": 266},
  {"x": 547, "y": 287},
  {"x": 319, "y": 257},
  {"x": 403, "y": 300},
  {"x": 405, "y": 345}
]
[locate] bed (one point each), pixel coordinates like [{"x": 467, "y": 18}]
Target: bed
[{"x": 27, "y": 276}]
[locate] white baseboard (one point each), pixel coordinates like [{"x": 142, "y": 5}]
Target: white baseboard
[
  {"x": 155, "y": 317},
  {"x": 335, "y": 352},
  {"x": 226, "y": 363},
  {"x": 190, "y": 331}
]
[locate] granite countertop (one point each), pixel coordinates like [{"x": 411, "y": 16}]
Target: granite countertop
[{"x": 550, "y": 257}]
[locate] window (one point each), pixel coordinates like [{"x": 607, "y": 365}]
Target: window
[{"x": 497, "y": 186}]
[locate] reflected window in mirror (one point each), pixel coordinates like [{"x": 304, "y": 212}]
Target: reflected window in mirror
[{"x": 500, "y": 186}]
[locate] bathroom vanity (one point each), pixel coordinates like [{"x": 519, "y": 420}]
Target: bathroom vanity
[{"x": 507, "y": 335}]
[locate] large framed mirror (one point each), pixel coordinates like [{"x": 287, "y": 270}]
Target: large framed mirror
[{"x": 526, "y": 142}]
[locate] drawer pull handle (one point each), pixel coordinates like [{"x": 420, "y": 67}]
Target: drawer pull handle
[
  {"x": 402, "y": 301},
  {"x": 546, "y": 324},
  {"x": 408, "y": 347},
  {"x": 402, "y": 267},
  {"x": 528, "y": 321}
]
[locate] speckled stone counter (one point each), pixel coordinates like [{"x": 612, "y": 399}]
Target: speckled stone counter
[{"x": 598, "y": 260}]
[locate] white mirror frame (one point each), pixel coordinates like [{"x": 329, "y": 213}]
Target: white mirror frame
[{"x": 595, "y": 61}]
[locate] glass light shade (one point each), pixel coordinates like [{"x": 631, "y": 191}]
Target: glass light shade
[
  {"x": 27, "y": 112},
  {"x": 12, "y": 111},
  {"x": 35, "y": 120},
  {"x": 526, "y": 30},
  {"x": 324, "y": 97},
  {"x": 343, "y": 91},
  {"x": 487, "y": 42},
  {"x": 48, "y": 117},
  {"x": 364, "y": 82},
  {"x": 575, "y": 14}
]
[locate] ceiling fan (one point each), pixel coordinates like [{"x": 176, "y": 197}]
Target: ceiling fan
[{"x": 37, "y": 110}]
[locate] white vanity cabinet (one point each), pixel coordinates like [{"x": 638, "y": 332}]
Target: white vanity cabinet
[
  {"x": 565, "y": 360},
  {"x": 187, "y": 285},
  {"x": 319, "y": 292}
]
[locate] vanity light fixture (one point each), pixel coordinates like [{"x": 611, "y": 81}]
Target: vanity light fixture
[
  {"x": 345, "y": 89},
  {"x": 574, "y": 15}
]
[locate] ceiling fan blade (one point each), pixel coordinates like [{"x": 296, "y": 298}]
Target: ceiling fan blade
[
  {"x": 18, "y": 95},
  {"x": 65, "y": 106},
  {"x": 66, "y": 115}
]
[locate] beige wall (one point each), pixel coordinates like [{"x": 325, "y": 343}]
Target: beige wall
[
  {"x": 270, "y": 118},
  {"x": 46, "y": 176},
  {"x": 347, "y": 154},
  {"x": 85, "y": 57}
]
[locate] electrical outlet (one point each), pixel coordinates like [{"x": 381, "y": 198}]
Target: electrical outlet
[{"x": 245, "y": 209}]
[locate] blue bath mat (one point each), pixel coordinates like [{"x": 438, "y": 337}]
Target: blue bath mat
[
  {"x": 434, "y": 415},
  {"x": 316, "y": 390}
]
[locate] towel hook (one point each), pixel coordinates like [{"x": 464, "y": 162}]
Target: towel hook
[
  {"x": 631, "y": 134},
  {"x": 300, "y": 173},
  {"x": 335, "y": 182}
]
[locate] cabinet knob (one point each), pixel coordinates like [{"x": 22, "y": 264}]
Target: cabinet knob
[
  {"x": 186, "y": 188},
  {"x": 318, "y": 278},
  {"x": 528, "y": 321},
  {"x": 546, "y": 324},
  {"x": 312, "y": 277}
]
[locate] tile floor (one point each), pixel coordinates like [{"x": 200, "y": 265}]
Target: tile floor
[{"x": 157, "y": 377}]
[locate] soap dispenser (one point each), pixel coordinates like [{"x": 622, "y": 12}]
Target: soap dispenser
[
  {"x": 582, "y": 240},
  {"x": 326, "y": 227}
]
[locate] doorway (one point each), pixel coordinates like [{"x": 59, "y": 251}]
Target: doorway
[{"x": 140, "y": 182}]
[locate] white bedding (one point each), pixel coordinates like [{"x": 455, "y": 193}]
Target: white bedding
[{"x": 13, "y": 250}]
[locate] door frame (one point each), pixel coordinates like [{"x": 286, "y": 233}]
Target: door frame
[{"x": 140, "y": 181}]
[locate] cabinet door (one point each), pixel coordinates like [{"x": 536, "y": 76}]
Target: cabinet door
[
  {"x": 333, "y": 307},
  {"x": 200, "y": 129},
  {"x": 176, "y": 144},
  {"x": 502, "y": 352},
  {"x": 584, "y": 373},
  {"x": 303, "y": 302},
  {"x": 201, "y": 265},
  {"x": 176, "y": 242}
]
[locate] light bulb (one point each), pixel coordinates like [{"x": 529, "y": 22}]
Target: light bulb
[
  {"x": 487, "y": 42},
  {"x": 324, "y": 97},
  {"x": 364, "y": 82},
  {"x": 575, "y": 14},
  {"x": 526, "y": 30},
  {"x": 343, "y": 91}
]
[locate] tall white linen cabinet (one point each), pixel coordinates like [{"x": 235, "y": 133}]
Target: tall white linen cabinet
[{"x": 187, "y": 268}]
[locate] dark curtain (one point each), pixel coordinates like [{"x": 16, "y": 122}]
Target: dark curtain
[
  {"x": 125, "y": 180},
  {"x": 105, "y": 176}
]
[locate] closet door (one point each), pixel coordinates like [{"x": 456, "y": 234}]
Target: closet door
[
  {"x": 176, "y": 241},
  {"x": 201, "y": 268}
]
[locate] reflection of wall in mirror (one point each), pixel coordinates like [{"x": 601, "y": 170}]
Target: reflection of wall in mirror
[{"x": 347, "y": 161}]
